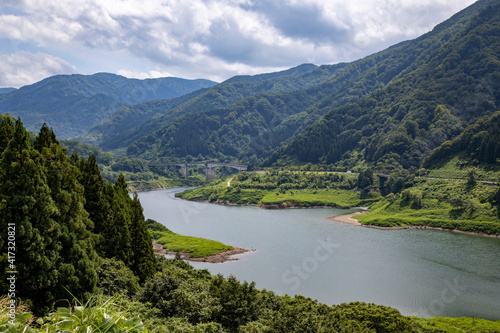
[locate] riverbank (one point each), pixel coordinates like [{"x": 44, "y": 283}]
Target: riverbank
[
  {"x": 214, "y": 259},
  {"x": 348, "y": 219}
]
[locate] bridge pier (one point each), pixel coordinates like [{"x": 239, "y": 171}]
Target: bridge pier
[
  {"x": 210, "y": 172},
  {"x": 185, "y": 171}
]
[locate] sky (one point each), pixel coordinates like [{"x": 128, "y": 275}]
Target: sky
[{"x": 209, "y": 39}]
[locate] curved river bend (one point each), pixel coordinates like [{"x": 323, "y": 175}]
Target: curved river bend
[{"x": 426, "y": 273}]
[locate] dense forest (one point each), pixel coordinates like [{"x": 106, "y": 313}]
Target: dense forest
[
  {"x": 400, "y": 124},
  {"x": 66, "y": 219},
  {"x": 478, "y": 143},
  {"x": 390, "y": 109}
]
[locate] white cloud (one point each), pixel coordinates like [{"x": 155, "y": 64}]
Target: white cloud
[
  {"x": 24, "y": 68},
  {"x": 143, "y": 75},
  {"x": 218, "y": 38}
]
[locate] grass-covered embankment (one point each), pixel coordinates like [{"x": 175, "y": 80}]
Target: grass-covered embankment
[
  {"x": 448, "y": 204},
  {"x": 466, "y": 205},
  {"x": 458, "y": 325},
  {"x": 285, "y": 190},
  {"x": 196, "y": 247}
]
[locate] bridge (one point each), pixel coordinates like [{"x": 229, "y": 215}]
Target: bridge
[{"x": 209, "y": 167}]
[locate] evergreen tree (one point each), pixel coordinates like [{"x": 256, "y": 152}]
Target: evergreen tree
[
  {"x": 6, "y": 132},
  {"x": 116, "y": 231},
  {"x": 96, "y": 200},
  {"x": 45, "y": 138},
  {"x": 144, "y": 264},
  {"x": 26, "y": 203},
  {"x": 78, "y": 256}
]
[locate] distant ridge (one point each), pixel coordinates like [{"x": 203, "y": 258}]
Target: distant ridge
[
  {"x": 6, "y": 90},
  {"x": 299, "y": 70},
  {"x": 71, "y": 104}
]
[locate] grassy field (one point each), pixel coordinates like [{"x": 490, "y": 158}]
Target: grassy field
[
  {"x": 459, "y": 325},
  {"x": 311, "y": 198},
  {"x": 196, "y": 247},
  {"x": 290, "y": 189},
  {"x": 438, "y": 203}
]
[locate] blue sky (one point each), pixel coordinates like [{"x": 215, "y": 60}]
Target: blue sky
[{"x": 199, "y": 38}]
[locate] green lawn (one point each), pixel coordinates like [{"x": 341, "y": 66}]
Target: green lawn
[
  {"x": 195, "y": 246},
  {"x": 310, "y": 198}
]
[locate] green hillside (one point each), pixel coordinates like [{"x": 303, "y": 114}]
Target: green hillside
[
  {"x": 71, "y": 104},
  {"x": 390, "y": 109},
  {"x": 478, "y": 146},
  {"x": 130, "y": 117},
  {"x": 259, "y": 122},
  {"x": 221, "y": 96},
  {"x": 6, "y": 90},
  {"x": 398, "y": 125}
]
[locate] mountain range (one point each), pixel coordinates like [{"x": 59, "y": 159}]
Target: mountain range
[
  {"x": 390, "y": 109},
  {"x": 71, "y": 104}
]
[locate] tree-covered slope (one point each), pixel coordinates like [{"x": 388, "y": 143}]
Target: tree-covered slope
[
  {"x": 219, "y": 96},
  {"x": 6, "y": 90},
  {"x": 400, "y": 123},
  {"x": 406, "y": 99},
  {"x": 257, "y": 123},
  {"x": 128, "y": 117},
  {"x": 71, "y": 104}
]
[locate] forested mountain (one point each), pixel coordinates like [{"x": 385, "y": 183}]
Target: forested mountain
[
  {"x": 71, "y": 104},
  {"x": 118, "y": 125},
  {"x": 478, "y": 143},
  {"x": 400, "y": 123},
  {"x": 6, "y": 90},
  {"x": 219, "y": 96},
  {"x": 273, "y": 111},
  {"x": 396, "y": 105}
]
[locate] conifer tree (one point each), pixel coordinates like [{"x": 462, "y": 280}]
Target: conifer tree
[
  {"x": 45, "y": 138},
  {"x": 96, "y": 200},
  {"x": 144, "y": 264},
  {"x": 26, "y": 203},
  {"x": 78, "y": 257},
  {"x": 118, "y": 232},
  {"x": 6, "y": 132}
]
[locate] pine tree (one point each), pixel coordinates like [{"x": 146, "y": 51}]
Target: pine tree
[{"x": 144, "y": 264}]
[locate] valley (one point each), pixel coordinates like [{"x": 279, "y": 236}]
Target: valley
[{"x": 350, "y": 178}]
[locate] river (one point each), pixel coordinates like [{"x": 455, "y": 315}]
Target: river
[{"x": 426, "y": 273}]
